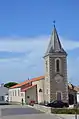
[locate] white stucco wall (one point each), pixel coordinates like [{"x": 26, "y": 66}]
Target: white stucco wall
[
  {"x": 17, "y": 97},
  {"x": 3, "y": 92},
  {"x": 31, "y": 93},
  {"x": 6, "y": 98},
  {"x": 40, "y": 85},
  {"x": 77, "y": 97}
]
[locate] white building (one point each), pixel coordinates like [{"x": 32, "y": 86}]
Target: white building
[
  {"x": 30, "y": 90},
  {"x": 78, "y": 97},
  {"x": 3, "y": 94}
]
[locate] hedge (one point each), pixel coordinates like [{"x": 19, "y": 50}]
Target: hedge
[{"x": 64, "y": 111}]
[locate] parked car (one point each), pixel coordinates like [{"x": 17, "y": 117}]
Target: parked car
[
  {"x": 66, "y": 104},
  {"x": 57, "y": 104},
  {"x": 32, "y": 102}
]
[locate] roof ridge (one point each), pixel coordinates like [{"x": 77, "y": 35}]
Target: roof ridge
[{"x": 27, "y": 81}]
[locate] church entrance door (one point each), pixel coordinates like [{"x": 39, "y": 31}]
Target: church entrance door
[{"x": 58, "y": 95}]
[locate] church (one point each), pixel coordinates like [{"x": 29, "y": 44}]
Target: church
[{"x": 53, "y": 85}]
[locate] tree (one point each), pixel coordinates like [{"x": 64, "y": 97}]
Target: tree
[{"x": 10, "y": 84}]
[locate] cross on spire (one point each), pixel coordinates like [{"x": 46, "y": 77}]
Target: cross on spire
[{"x": 54, "y": 23}]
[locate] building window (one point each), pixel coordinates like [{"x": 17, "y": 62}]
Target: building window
[
  {"x": 11, "y": 93},
  {"x": 46, "y": 66},
  {"x": 18, "y": 92},
  {"x": 57, "y": 65},
  {"x": 58, "y": 95},
  {"x": 15, "y": 92},
  {"x": 21, "y": 94},
  {"x": 47, "y": 91},
  {"x": 1, "y": 98}
]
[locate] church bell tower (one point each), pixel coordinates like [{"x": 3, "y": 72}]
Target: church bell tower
[{"x": 56, "y": 85}]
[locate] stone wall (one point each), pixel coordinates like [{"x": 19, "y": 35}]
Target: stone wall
[{"x": 42, "y": 108}]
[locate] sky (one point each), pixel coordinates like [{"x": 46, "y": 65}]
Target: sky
[{"x": 25, "y": 30}]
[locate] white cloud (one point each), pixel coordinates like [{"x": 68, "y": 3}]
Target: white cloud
[
  {"x": 22, "y": 44},
  {"x": 29, "y": 44},
  {"x": 69, "y": 44},
  {"x": 32, "y": 64}
]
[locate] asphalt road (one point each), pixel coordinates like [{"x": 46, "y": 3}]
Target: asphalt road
[
  {"x": 25, "y": 112},
  {"x": 35, "y": 116},
  {"x": 19, "y": 111}
]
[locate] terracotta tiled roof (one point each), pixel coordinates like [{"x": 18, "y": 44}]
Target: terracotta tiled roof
[
  {"x": 27, "y": 81},
  {"x": 37, "y": 78},
  {"x": 25, "y": 89},
  {"x": 72, "y": 87},
  {"x": 76, "y": 88}
]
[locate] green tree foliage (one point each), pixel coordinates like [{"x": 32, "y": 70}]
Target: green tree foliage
[{"x": 10, "y": 84}]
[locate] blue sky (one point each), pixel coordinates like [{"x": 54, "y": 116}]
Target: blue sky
[{"x": 25, "y": 29}]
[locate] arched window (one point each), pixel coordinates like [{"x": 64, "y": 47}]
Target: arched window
[
  {"x": 57, "y": 65},
  {"x": 46, "y": 66},
  {"x": 40, "y": 90}
]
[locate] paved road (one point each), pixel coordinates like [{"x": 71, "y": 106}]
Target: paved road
[
  {"x": 23, "y": 112},
  {"x": 19, "y": 111},
  {"x": 34, "y": 116}
]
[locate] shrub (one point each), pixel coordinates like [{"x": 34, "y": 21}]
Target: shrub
[{"x": 64, "y": 111}]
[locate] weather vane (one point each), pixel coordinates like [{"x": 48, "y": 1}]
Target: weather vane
[{"x": 54, "y": 23}]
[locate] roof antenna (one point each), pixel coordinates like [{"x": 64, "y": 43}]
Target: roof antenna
[{"x": 54, "y": 23}]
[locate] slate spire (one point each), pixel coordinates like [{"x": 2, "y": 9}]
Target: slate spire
[{"x": 54, "y": 44}]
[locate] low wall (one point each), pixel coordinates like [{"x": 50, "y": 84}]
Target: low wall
[
  {"x": 14, "y": 103},
  {"x": 55, "y": 110},
  {"x": 71, "y": 106},
  {"x": 42, "y": 108}
]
